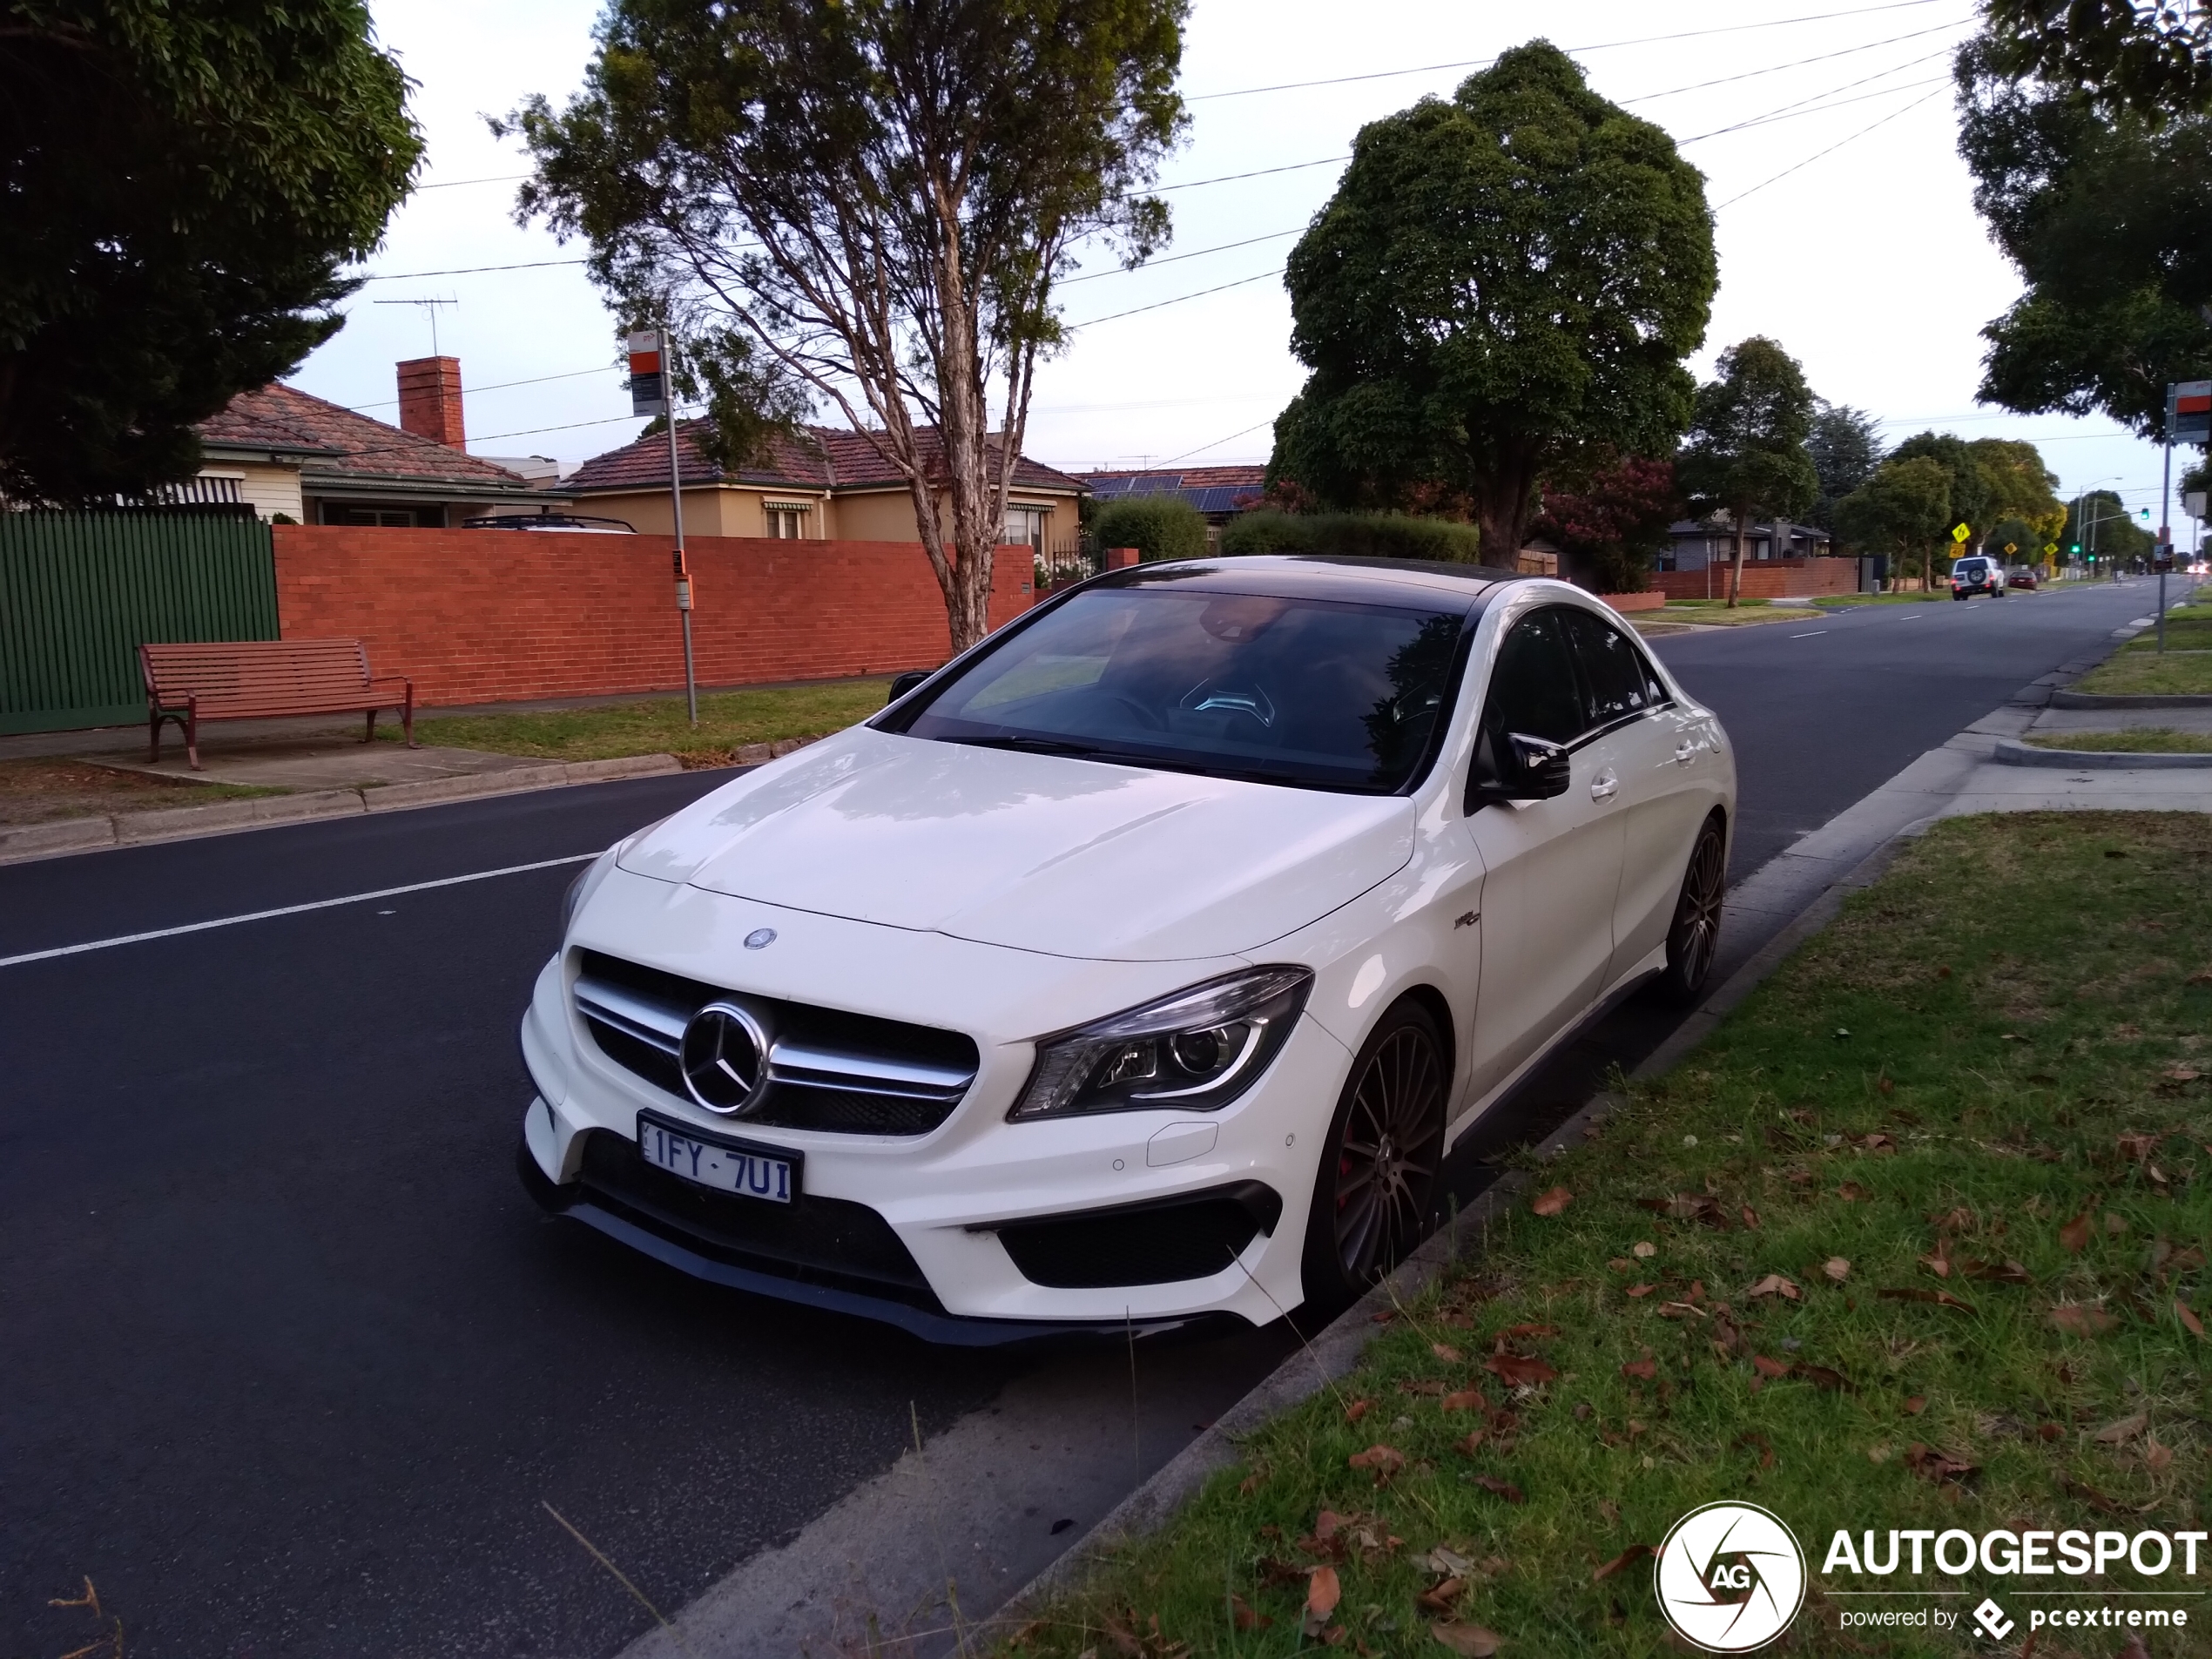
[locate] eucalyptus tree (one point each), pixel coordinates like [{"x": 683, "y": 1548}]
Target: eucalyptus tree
[{"x": 866, "y": 205}]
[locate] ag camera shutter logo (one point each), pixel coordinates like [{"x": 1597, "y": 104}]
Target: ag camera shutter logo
[{"x": 1730, "y": 1577}]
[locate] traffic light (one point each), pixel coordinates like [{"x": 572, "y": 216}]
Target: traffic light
[{"x": 2077, "y": 548}]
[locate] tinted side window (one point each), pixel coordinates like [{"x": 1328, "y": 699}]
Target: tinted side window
[
  {"x": 1534, "y": 689},
  {"x": 1621, "y": 686}
]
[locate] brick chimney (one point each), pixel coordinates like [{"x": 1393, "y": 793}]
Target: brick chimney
[{"x": 430, "y": 401}]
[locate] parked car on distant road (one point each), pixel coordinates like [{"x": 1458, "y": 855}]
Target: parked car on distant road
[
  {"x": 2021, "y": 578},
  {"x": 1976, "y": 575},
  {"x": 1143, "y": 964},
  {"x": 550, "y": 520}
]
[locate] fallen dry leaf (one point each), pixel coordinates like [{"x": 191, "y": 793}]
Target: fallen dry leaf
[
  {"x": 1516, "y": 1370},
  {"x": 1513, "y": 1330},
  {"x": 1245, "y": 1617},
  {"x": 1469, "y": 1447},
  {"x": 1357, "y": 1409},
  {"x": 1641, "y": 1369},
  {"x": 1385, "y": 1461},
  {"x": 2187, "y": 1315},
  {"x": 2158, "y": 1457},
  {"x": 1468, "y": 1641},
  {"x": 1439, "y": 1598},
  {"x": 1640, "y": 1290},
  {"x": 1551, "y": 1202},
  {"x": 1939, "y": 1262},
  {"x": 1916, "y": 1405},
  {"x": 2125, "y": 1429},
  {"x": 1467, "y": 1400},
  {"x": 1772, "y": 1370},
  {"x": 1505, "y": 1489},
  {"x": 2182, "y": 1074},
  {"x": 1620, "y": 1265},
  {"x": 1837, "y": 1270},
  {"x": 2007, "y": 1273},
  {"x": 2082, "y": 1319},
  {"x": 1821, "y": 1376},
  {"x": 1322, "y": 1592},
  {"x": 1775, "y": 1284},
  {"x": 1445, "y": 1351},
  {"x": 1751, "y": 1216},
  {"x": 2075, "y": 1234},
  {"x": 1628, "y": 1557},
  {"x": 1852, "y": 1192},
  {"x": 1930, "y": 1464},
  {"x": 1643, "y": 1250}
]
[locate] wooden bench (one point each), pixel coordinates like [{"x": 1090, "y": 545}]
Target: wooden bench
[{"x": 257, "y": 679}]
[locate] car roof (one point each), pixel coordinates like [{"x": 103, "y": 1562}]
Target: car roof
[{"x": 1321, "y": 575}]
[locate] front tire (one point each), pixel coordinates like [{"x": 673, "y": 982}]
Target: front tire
[
  {"x": 1694, "y": 936},
  {"x": 1377, "y": 1179}
]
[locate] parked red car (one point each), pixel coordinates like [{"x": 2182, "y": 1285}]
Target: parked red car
[{"x": 2022, "y": 579}]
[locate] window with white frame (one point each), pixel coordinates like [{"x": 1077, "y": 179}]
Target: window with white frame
[
  {"x": 1025, "y": 527},
  {"x": 786, "y": 520}
]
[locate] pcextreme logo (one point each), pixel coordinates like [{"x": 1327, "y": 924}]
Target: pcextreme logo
[{"x": 1730, "y": 1577}]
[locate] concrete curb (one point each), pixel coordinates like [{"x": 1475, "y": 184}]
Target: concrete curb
[
  {"x": 2010, "y": 753},
  {"x": 2130, "y": 700},
  {"x": 69, "y": 835}
]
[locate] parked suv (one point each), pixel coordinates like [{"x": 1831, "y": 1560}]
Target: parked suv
[{"x": 1977, "y": 575}]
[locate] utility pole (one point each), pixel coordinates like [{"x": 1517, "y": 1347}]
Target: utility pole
[{"x": 653, "y": 389}]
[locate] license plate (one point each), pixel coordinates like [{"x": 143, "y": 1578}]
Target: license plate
[{"x": 751, "y": 1172}]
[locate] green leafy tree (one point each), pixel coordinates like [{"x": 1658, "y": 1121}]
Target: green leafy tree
[
  {"x": 2153, "y": 60},
  {"x": 2103, "y": 210},
  {"x": 180, "y": 185},
  {"x": 2021, "y": 489},
  {"x": 1501, "y": 283},
  {"x": 1846, "y": 446},
  {"x": 1158, "y": 527},
  {"x": 1902, "y": 511},
  {"x": 2099, "y": 524},
  {"x": 1746, "y": 452},
  {"x": 868, "y": 203},
  {"x": 1969, "y": 492}
]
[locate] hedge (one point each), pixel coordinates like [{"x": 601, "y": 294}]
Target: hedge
[
  {"x": 1158, "y": 527},
  {"x": 1381, "y": 536}
]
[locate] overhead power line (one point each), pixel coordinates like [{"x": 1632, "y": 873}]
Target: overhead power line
[
  {"x": 1600, "y": 46},
  {"x": 1830, "y": 150}
]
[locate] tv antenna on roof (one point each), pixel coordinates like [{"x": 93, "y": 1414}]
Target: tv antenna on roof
[{"x": 429, "y": 306}]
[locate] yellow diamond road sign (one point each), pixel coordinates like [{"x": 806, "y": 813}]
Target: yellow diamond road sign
[
  {"x": 2050, "y": 547},
  {"x": 1959, "y": 532}
]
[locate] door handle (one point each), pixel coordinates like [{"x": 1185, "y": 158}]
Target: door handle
[
  {"x": 1685, "y": 752},
  {"x": 1604, "y": 786}
]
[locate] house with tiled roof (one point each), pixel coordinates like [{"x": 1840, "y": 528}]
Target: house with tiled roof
[
  {"x": 290, "y": 454},
  {"x": 819, "y": 483}
]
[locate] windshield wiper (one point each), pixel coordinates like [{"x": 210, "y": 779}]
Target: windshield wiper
[{"x": 1026, "y": 746}]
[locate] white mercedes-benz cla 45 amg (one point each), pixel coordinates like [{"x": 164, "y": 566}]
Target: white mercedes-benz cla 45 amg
[{"x": 1141, "y": 964}]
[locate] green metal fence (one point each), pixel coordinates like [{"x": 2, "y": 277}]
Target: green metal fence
[{"x": 80, "y": 592}]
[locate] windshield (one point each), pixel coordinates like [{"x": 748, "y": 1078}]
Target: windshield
[{"x": 1316, "y": 693}]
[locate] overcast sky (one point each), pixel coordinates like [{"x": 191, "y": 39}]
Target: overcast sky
[{"x": 1845, "y": 220}]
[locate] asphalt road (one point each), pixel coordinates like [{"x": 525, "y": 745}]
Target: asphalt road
[{"x": 289, "y": 1364}]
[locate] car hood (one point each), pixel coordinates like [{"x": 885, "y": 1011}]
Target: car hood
[{"x": 1038, "y": 853}]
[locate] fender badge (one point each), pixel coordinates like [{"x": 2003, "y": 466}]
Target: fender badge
[
  {"x": 761, "y": 939},
  {"x": 1467, "y": 920}
]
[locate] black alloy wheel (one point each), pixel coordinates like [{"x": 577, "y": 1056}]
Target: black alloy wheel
[
  {"x": 1377, "y": 1183},
  {"x": 1696, "y": 934}
]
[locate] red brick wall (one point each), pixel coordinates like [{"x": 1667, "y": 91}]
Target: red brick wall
[
  {"x": 1763, "y": 579},
  {"x": 501, "y": 616}
]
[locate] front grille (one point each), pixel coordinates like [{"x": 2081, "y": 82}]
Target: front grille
[
  {"x": 811, "y": 1236},
  {"x": 849, "y": 1074},
  {"x": 1159, "y": 1243}
]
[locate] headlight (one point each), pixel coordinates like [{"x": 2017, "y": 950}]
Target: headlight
[
  {"x": 596, "y": 871},
  {"x": 1195, "y": 1051}
]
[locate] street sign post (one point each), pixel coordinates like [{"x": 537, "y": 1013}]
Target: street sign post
[{"x": 652, "y": 354}]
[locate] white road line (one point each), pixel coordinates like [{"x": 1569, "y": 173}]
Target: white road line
[
  {"x": 287, "y": 910},
  {"x": 1815, "y": 634}
]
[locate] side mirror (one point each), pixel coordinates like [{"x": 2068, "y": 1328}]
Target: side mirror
[
  {"x": 1515, "y": 767},
  {"x": 904, "y": 683}
]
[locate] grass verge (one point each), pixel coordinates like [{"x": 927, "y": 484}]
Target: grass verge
[
  {"x": 41, "y": 791},
  {"x": 2138, "y": 673},
  {"x": 1714, "y": 604},
  {"x": 1882, "y": 599},
  {"x": 1916, "y": 1240},
  {"x": 728, "y": 721},
  {"x": 2137, "y": 741},
  {"x": 1715, "y": 614},
  {"x": 2182, "y": 634}
]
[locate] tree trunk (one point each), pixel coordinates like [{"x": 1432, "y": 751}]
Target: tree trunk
[
  {"x": 1503, "y": 509},
  {"x": 1736, "y": 570}
]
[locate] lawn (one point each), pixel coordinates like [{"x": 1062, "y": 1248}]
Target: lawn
[
  {"x": 2137, "y": 741},
  {"x": 2184, "y": 631},
  {"x": 39, "y": 792},
  {"x": 1710, "y": 613},
  {"x": 1916, "y": 1240},
  {"x": 728, "y": 721},
  {"x": 1720, "y": 604},
  {"x": 1882, "y": 599},
  {"x": 2138, "y": 672}
]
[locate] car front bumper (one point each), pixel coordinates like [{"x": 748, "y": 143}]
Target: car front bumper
[{"x": 919, "y": 1227}]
